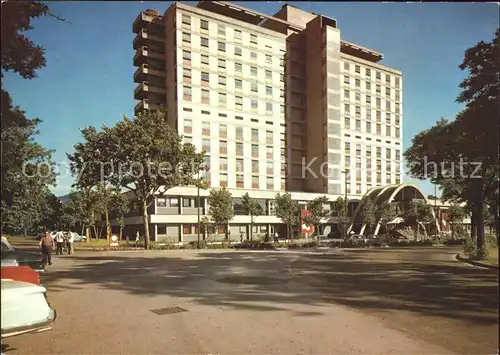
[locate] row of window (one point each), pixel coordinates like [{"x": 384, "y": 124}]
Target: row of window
[
  {"x": 368, "y": 74},
  {"x": 206, "y": 131},
  {"x": 388, "y": 151},
  {"x": 368, "y": 99},
  {"x": 238, "y": 66},
  {"x": 237, "y": 51},
  {"x": 238, "y": 118},
  {"x": 221, "y": 81},
  {"x": 369, "y": 129},
  {"x": 369, "y": 167},
  {"x": 222, "y": 100},
  {"x": 368, "y": 87},
  {"x": 378, "y": 114}
]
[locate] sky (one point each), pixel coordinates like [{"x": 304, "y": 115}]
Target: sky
[{"x": 88, "y": 80}]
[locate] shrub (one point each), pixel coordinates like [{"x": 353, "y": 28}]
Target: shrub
[{"x": 454, "y": 242}]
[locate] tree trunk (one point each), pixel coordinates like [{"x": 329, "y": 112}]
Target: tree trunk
[
  {"x": 121, "y": 233},
  {"x": 146, "y": 224},
  {"x": 87, "y": 234},
  {"x": 108, "y": 226},
  {"x": 473, "y": 223},
  {"x": 480, "y": 223},
  {"x": 251, "y": 230}
]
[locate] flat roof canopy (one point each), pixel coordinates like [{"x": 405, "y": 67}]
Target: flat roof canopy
[{"x": 360, "y": 52}]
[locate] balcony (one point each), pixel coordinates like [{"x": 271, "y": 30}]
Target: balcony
[
  {"x": 145, "y": 105},
  {"x": 145, "y": 88},
  {"x": 147, "y": 17},
  {"x": 143, "y": 37},
  {"x": 144, "y": 71},
  {"x": 144, "y": 53}
]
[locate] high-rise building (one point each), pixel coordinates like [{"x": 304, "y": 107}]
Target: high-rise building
[{"x": 279, "y": 103}]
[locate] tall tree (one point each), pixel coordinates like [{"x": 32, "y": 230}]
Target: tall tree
[
  {"x": 368, "y": 212},
  {"x": 318, "y": 212},
  {"x": 417, "y": 213},
  {"x": 339, "y": 211},
  {"x": 385, "y": 214},
  {"x": 144, "y": 155},
  {"x": 119, "y": 206},
  {"x": 220, "y": 209},
  {"x": 253, "y": 209},
  {"x": 455, "y": 217},
  {"x": 288, "y": 211}
]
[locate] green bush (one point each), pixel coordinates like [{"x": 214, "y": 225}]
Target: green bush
[{"x": 460, "y": 241}]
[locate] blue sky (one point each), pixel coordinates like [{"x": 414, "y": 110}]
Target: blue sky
[{"x": 88, "y": 78}]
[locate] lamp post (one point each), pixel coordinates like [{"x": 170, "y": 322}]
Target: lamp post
[{"x": 346, "y": 173}]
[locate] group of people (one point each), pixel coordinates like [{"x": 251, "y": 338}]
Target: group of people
[{"x": 61, "y": 241}]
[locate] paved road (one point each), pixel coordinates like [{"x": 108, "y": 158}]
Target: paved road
[{"x": 377, "y": 302}]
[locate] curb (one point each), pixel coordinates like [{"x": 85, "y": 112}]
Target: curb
[{"x": 475, "y": 263}]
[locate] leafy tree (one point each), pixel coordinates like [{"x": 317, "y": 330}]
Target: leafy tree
[
  {"x": 415, "y": 213},
  {"x": 144, "y": 155},
  {"x": 53, "y": 212},
  {"x": 455, "y": 217},
  {"x": 119, "y": 205},
  {"x": 318, "y": 212},
  {"x": 385, "y": 214},
  {"x": 83, "y": 204},
  {"x": 468, "y": 138},
  {"x": 288, "y": 211},
  {"x": 220, "y": 209},
  {"x": 339, "y": 211},
  {"x": 368, "y": 212},
  {"x": 432, "y": 197},
  {"x": 253, "y": 209}
]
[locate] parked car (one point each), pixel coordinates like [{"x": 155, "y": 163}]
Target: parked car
[
  {"x": 358, "y": 238},
  {"x": 22, "y": 258},
  {"x": 76, "y": 237},
  {"x": 20, "y": 273},
  {"x": 25, "y": 308}
]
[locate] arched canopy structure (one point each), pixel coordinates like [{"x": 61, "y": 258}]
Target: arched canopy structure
[{"x": 390, "y": 193}]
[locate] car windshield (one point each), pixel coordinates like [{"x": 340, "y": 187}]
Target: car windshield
[{"x": 6, "y": 245}]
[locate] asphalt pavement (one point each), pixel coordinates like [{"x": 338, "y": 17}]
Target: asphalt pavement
[{"x": 416, "y": 301}]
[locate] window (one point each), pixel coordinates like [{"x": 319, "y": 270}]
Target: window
[
  {"x": 186, "y": 55},
  {"x": 160, "y": 202},
  {"x": 255, "y": 151},
  {"x": 254, "y": 105},
  {"x": 222, "y": 183},
  {"x": 188, "y": 126},
  {"x": 358, "y": 110},
  {"x": 378, "y": 75},
  {"x": 255, "y": 182},
  {"x": 253, "y": 71},
  {"x": 270, "y": 168},
  {"x": 221, "y": 46},
  {"x": 388, "y": 92},
  {"x": 205, "y": 78},
  {"x": 379, "y": 129},
  {"x": 253, "y": 40},
  {"x": 397, "y": 96},
  {"x": 173, "y": 202},
  {"x": 269, "y": 91},
  {"x": 238, "y": 67},
  {"x": 388, "y": 105},
  {"x": 253, "y": 55},
  {"x": 282, "y": 93},
  {"x": 186, "y": 37},
  {"x": 223, "y": 164},
  {"x": 205, "y": 128},
  {"x": 397, "y": 108},
  {"x": 347, "y": 122},
  {"x": 358, "y": 83},
  {"x": 269, "y": 137},
  {"x": 269, "y": 74},
  {"x": 186, "y": 75},
  {"x": 357, "y": 69},
  {"x": 346, "y": 94},
  {"x": 379, "y": 116},
  {"x": 269, "y": 107},
  {"x": 205, "y": 59},
  {"x": 346, "y": 66},
  {"x": 223, "y": 147},
  {"x": 358, "y": 125},
  {"x": 205, "y": 144},
  {"x": 254, "y": 87},
  {"x": 387, "y": 79},
  {"x": 368, "y": 99},
  {"x": 222, "y": 131},
  {"x": 368, "y": 86},
  {"x": 388, "y": 131},
  {"x": 397, "y": 121},
  {"x": 255, "y": 166},
  {"x": 379, "y": 102},
  {"x": 186, "y": 20},
  {"x": 368, "y": 127},
  {"x": 239, "y": 149},
  {"x": 398, "y": 133},
  {"x": 239, "y": 135},
  {"x": 269, "y": 59},
  {"x": 205, "y": 96},
  {"x": 204, "y": 42},
  {"x": 239, "y": 181},
  {"x": 397, "y": 82},
  {"x": 269, "y": 152},
  {"x": 204, "y": 25},
  {"x": 347, "y": 109},
  {"x": 222, "y": 80},
  {"x": 358, "y": 96},
  {"x": 187, "y": 93},
  {"x": 388, "y": 153},
  {"x": 239, "y": 102},
  {"x": 388, "y": 118},
  {"x": 378, "y": 89},
  {"x": 238, "y": 84},
  {"x": 221, "y": 30},
  {"x": 282, "y": 108},
  {"x": 282, "y": 77},
  {"x": 270, "y": 183},
  {"x": 368, "y": 72},
  {"x": 237, "y": 51},
  {"x": 255, "y": 135},
  {"x": 222, "y": 64},
  {"x": 186, "y": 202}
]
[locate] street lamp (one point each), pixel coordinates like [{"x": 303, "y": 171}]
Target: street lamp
[{"x": 346, "y": 172}]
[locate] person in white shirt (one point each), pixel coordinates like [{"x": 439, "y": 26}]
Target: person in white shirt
[
  {"x": 70, "y": 240},
  {"x": 59, "y": 239}
]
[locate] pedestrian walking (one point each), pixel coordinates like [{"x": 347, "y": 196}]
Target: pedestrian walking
[
  {"x": 59, "y": 243},
  {"x": 46, "y": 244},
  {"x": 70, "y": 243}
]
